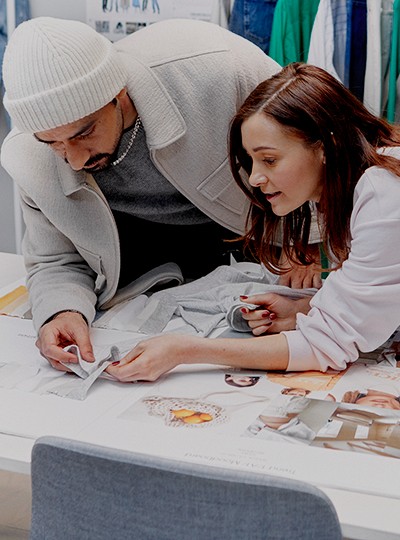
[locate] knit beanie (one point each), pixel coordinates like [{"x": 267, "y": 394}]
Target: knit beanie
[{"x": 56, "y": 71}]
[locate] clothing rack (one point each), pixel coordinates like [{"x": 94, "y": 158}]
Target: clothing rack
[{"x": 18, "y": 220}]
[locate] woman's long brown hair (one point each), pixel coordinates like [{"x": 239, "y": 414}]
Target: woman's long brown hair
[{"x": 311, "y": 104}]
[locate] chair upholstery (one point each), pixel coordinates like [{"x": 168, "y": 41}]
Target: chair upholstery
[{"x": 87, "y": 492}]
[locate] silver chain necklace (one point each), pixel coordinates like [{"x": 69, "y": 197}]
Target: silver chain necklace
[{"x": 133, "y": 137}]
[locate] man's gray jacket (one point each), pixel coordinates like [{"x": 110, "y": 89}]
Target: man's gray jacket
[{"x": 187, "y": 80}]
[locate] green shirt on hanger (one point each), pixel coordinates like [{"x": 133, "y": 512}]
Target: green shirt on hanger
[
  {"x": 291, "y": 30},
  {"x": 394, "y": 66}
]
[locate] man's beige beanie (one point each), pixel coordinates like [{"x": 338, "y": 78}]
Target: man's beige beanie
[{"x": 56, "y": 71}]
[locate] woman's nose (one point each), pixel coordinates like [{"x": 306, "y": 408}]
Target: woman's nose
[{"x": 257, "y": 179}]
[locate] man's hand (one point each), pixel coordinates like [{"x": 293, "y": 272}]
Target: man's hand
[
  {"x": 276, "y": 313},
  {"x": 66, "y": 328},
  {"x": 301, "y": 277}
]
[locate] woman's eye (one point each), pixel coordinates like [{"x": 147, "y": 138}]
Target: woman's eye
[{"x": 269, "y": 161}]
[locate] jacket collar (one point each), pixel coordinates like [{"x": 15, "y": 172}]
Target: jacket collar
[
  {"x": 161, "y": 118},
  {"x": 70, "y": 180}
]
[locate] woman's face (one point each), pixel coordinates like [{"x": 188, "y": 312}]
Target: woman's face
[
  {"x": 295, "y": 392},
  {"x": 379, "y": 399},
  {"x": 287, "y": 171},
  {"x": 241, "y": 380}
]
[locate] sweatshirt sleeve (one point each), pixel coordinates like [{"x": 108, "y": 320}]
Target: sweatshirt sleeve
[{"x": 358, "y": 306}]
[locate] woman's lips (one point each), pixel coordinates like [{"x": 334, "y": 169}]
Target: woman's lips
[{"x": 271, "y": 196}]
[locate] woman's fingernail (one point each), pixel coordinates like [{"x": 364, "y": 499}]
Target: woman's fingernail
[
  {"x": 243, "y": 297},
  {"x": 244, "y": 310},
  {"x": 265, "y": 314},
  {"x": 115, "y": 363},
  {"x": 272, "y": 316}
]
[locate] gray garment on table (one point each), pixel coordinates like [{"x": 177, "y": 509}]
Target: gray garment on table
[
  {"x": 213, "y": 299},
  {"x": 87, "y": 372}
]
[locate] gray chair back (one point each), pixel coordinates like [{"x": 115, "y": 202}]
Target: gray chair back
[{"x": 87, "y": 492}]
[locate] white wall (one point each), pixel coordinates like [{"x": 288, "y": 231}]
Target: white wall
[
  {"x": 70, "y": 9},
  {"x": 7, "y": 229}
]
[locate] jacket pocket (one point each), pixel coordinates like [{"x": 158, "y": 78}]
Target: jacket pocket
[
  {"x": 95, "y": 263},
  {"x": 216, "y": 188}
]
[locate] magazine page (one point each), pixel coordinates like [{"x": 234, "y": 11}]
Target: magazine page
[
  {"x": 241, "y": 419},
  {"x": 335, "y": 429},
  {"x": 14, "y": 300}
]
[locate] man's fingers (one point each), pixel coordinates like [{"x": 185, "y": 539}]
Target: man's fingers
[
  {"x": 66, "y": 329},
  {"x": 81, "y": 338},
  {"x": 56, "y": 355}
]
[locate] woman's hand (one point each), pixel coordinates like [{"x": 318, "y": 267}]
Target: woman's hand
[
  {"x": 151, "y": 358},
  {"x": 276, "y": 313},
  {"x": 302, "y": 277}
]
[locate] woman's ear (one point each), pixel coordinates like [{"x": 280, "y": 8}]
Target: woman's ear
[{"x": 321, "y": 152}]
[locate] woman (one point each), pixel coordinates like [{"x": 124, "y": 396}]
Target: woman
[
  {"x": 373, "y": 398},
  {"x": 303, "y": 138}
]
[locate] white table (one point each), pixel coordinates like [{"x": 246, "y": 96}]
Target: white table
[{"x": 362, "y": 516}]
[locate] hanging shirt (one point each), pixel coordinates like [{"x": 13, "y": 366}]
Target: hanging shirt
[
  {"x": 394, "y": 65},
  {"x": 291, "y": 30}
]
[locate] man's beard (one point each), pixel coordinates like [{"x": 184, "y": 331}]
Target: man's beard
[
  {"x": 98, "y": 163},
  {"x": 103, "y": 161}
]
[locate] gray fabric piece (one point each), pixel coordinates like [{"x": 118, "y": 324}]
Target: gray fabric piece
[
  {"x": 234, "y": 316},
  {"x": 213, "y": 299},
  {"x": 88, "y": 373}
]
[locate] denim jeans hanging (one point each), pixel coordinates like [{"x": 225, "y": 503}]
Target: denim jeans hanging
[
  {"x": 252, "y": 19},
  {"x": 358, "y": 47},
  {"x": 22, "y": 13}
]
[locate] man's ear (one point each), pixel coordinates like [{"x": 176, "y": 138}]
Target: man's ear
[{"x": 121, "y": 94}]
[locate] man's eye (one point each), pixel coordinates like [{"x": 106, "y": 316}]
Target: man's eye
[
  {"x": 54, "y": 144},
  {"x": 84, "y": 136}
]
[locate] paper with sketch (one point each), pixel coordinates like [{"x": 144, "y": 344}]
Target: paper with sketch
[
  {"x": 118, "y": 19},
  {"x": 23, "y": 368}
]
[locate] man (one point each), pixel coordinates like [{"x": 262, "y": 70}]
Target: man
[{"x": 120, "y": 155}]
